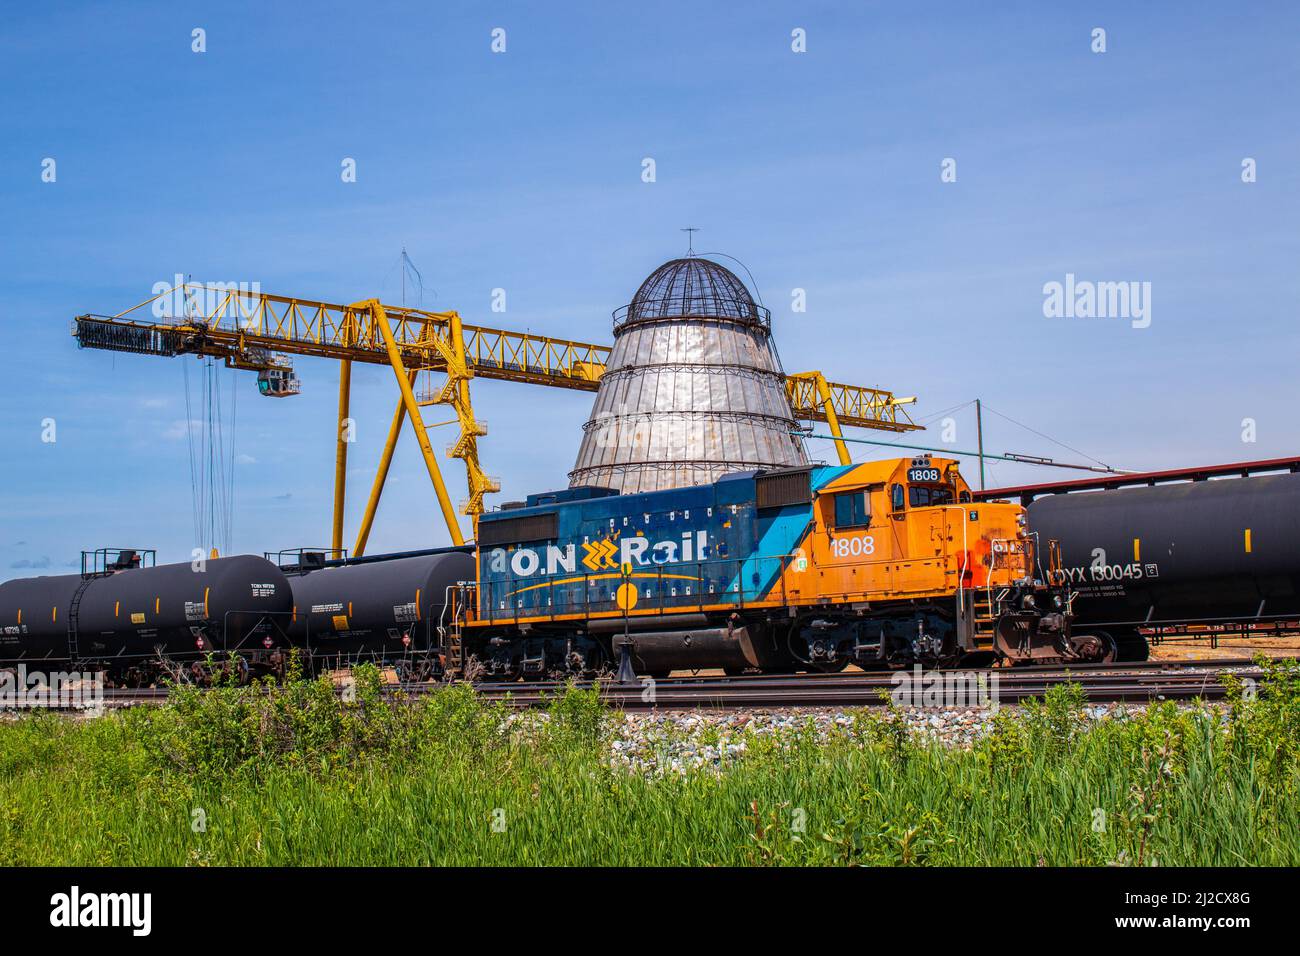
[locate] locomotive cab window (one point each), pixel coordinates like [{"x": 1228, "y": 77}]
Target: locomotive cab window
[
  {"x": 922, "y": 496},
  {"x": 897, "y": 501},
  {"x": 853, "y": 509}
]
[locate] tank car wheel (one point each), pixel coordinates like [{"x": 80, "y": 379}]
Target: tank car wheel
[
  {"x": 1111, "y": 652},
  {"x": 1081, "y": 646},
  {"x": 1112, "y": 649},
  {"x": 1131, "y": 647}
]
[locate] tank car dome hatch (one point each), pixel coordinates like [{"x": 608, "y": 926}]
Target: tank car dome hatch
[{"x": 693, "y": 387}]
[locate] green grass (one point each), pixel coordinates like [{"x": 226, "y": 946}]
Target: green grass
[{"x": 293, "y": 776}]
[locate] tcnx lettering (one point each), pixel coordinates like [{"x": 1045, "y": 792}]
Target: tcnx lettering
[{"x": 594, "y": 556}]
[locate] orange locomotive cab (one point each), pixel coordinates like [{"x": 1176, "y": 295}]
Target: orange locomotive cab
[
  {"x": 908, "y": 529},
  {"x": 902, "y": 565}
]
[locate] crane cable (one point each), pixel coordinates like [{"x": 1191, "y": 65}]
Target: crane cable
[{"x": 211, "y": 457}]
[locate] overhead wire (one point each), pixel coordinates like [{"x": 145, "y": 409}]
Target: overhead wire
[{"x": 1097, "y": 461}]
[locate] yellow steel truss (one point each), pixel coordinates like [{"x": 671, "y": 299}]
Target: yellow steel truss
[{"x": 248, "y": 328}]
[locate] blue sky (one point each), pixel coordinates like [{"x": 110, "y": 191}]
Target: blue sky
[{"x": 522, "y": 171}]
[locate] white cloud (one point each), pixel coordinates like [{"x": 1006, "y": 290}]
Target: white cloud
[{"x": 178, "y": 429}]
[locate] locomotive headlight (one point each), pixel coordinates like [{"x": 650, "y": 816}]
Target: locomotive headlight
[{"x": 1022, "y": 519}]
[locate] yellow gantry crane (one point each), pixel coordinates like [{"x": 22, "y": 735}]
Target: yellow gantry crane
[{"x": 261, "y": 332}]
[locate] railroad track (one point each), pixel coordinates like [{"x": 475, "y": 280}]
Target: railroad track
[
  {"x": 1141, "y": 682},
  {"x": 866, "y": 690}
]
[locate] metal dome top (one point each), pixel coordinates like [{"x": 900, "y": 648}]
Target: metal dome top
[{"x": 693, "y": 288}]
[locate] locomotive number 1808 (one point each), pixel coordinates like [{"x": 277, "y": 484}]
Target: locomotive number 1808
[{"x": 853, "y": 547}]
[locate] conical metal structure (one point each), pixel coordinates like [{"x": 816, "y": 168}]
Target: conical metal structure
[{"x": 693, "y": 388}]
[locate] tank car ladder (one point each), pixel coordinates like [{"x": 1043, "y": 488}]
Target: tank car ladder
[{"x": 74, "y": 610}]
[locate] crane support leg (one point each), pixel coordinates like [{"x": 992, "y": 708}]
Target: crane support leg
[
  {"x": 342, "y": 434},
  {"x": 417, "y": 421},
  {"x": 832, "y": 420},
  {"x": 381, "y": 475}
]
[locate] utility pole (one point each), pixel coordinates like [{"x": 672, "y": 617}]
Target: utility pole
[{"x": 979, "y": 434}]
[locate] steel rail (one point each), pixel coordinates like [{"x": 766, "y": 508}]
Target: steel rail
[{"x": 1131, "y": 682}]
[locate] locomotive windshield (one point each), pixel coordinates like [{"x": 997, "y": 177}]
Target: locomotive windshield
[{"x": 922, "y": 496}]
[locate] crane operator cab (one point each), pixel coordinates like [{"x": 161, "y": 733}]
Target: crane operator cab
[{"x": 278, "y": 382}]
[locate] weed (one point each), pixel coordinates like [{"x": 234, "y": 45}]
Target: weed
[{"x": 296, "y": 774}]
